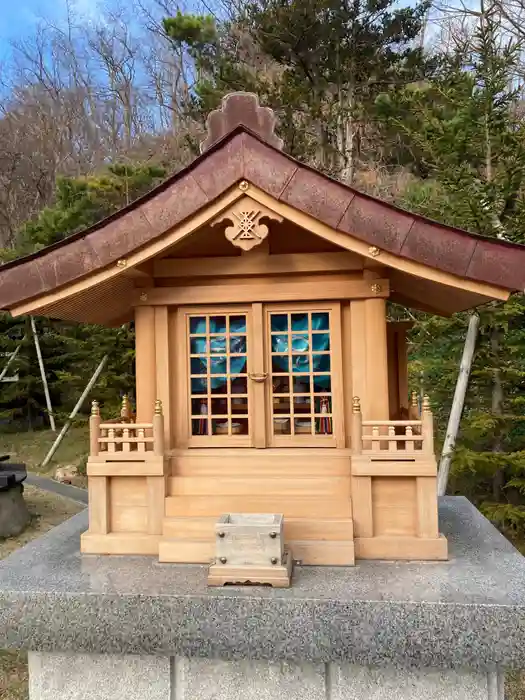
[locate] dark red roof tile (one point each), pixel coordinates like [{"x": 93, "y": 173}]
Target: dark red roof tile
[
  {"x": 121, "y": 237},
  {"x": 173, "y": 205},
  {"x": 438, "y": 246},
  {"x": 312, "y": 193},
  {"x": 222, "y": 169},
  {"x": 266, "y": 168},
  {"x": 66, "y": 264},
  {"x": 368, "y": 220},
  {"x": 499, "y": 264}
]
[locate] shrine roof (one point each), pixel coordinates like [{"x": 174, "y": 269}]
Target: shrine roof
[{"x": 241, "y": 145}]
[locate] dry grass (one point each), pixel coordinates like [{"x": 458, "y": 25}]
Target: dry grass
[
  {"x": 32, "y": 447},
  {"x": 47, "y": 510}
]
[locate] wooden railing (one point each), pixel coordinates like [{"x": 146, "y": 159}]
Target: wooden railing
[
  {"x": 122, "y": 435},
  {"x": 393, "y": 436}
]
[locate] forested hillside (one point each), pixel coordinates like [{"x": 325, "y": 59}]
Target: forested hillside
[{"x": 427, "y": 114}]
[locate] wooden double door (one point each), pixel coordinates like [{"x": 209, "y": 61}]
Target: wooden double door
[{"x": 261, "y": 375}]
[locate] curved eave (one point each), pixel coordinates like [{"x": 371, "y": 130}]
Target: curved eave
[{"x": 243, "y": 156}]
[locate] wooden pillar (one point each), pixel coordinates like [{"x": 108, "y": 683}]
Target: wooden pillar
[
  {"x": 393, "y": 371},
  {"x": 402, "y": 368},
  {"x": 99, "y": 505},
  {"x": 358, "y": 353},
  {"x": 145, "y": 375},
  {"x": 162, "y": 365},
  {"x": 376, "y": 360}
]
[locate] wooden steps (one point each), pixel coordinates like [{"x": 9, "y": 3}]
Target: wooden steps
[
  {"x": 203, "y": 529},
  {"x": 319, "y": 486},
  {"x": 280, "y": 463},
  {"x": 289, "y": 506},
  {"x": 313, "y": 552}
]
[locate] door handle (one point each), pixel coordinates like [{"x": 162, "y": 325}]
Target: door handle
[{"x": 258, "y": 376}]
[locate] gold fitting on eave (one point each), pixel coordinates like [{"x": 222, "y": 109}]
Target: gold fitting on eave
[
  {"x": 374, "y": 251},
  {"x": 356, "y": 405},
  {"x": 376, "y": 288},
  {"x": 143, "y": 296},
  {"x": 122, "y": 262},
  {"x": 158, "y": 407},
  {"x": 243, "y": 185}
]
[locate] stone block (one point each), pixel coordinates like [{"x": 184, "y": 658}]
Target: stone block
[
  {"x": 98, "y": 677},
  {"x": 14, "y": 516},
  {"x": 352, "y": 682},
  {"x": 212, "y": 679}
]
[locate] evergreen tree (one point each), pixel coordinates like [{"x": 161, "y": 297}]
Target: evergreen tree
[
  {"x": 71, "y": 352},
  {"x": 465, "y": 132}
]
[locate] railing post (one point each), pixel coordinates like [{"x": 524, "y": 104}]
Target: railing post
[
  {"x": 94, "y": 430},
  {"x": 427, "y": 427},
  {"x": 357, "y": 426},
  {"x": 125, "y": 410},
  {"x": 158, "y": 429},
  {"x": 413, "y": 411}
]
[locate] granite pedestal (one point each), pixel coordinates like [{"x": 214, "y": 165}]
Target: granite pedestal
[{"x": 129, "y": 627}]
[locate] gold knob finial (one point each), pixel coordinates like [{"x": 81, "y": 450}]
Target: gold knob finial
[
  {"x": 158, "y": 407},
  {"x": 426, "y": 403},
  {"x": 356, "y": 405},
  {"x": 125, "y": 408},
  {"x": 95, "y": 410}
]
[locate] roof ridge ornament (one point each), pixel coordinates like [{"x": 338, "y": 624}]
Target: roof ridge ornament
[{"x": 241, "y": 108}]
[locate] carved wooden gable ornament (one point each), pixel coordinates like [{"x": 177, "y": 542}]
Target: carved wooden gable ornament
[{"x": 245, "y": 216}]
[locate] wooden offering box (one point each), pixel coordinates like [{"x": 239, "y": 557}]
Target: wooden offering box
[{"x": 250, "y": 549}]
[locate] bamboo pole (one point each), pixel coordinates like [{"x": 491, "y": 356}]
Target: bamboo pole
[
  {"x": 10, "y": 362},
  {"x": 74, "y": 412},
  {"x": 43, "y": 375},
  {"x": 457, "y": 404}
]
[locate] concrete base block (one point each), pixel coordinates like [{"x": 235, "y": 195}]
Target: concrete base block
[
  {"x": 113, "y": 677},
  {"x": 210, "y": 679},
  {"x": 351, "y": 682},
  {"x": 98, "y": 677}
]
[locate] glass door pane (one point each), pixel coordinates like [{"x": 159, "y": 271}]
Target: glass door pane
[
  {"x": 218, "y": 375},
  {"x": 301, "y": 376}
]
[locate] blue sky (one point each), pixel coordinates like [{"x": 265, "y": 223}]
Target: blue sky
[{"x": 17, "y": 17}]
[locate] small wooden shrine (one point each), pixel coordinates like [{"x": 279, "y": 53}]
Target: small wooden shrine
[{"x": 268, "y": 379}]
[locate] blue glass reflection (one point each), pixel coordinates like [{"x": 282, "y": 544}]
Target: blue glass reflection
[
  {"x": 218, "y": 343},
  {"x": 300, "y": 363},
  {"x": 322, "y": 384},
  {"x": 279, "y": 322},
  {"x": 300, "y": 343},
  {"x": 279, "y": 343},
  {"x": 199, "y": 385},
  {"x": 321, "y": 341},
  {"x": 237, "y": 324},
  {"x": 198, "y": 365},
  {"x": 198, "y": 324},
  {"x": 321, "y": 363},
  {"x": 280, "y": 363},
  {"x": 321, "y": 321},
  {"x": 299, "y": 322},
  {"x": 219, "y": 385},
  {"x": 217, "y": 324},
  {"x": 238, "y": 343},
  {"x": 218, "y": 365},
  {"x": 198, "y": 346},
  {"x": 238, "y": 365}
]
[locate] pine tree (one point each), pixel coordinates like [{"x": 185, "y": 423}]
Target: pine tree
[{"x": 464, "y": 132}]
